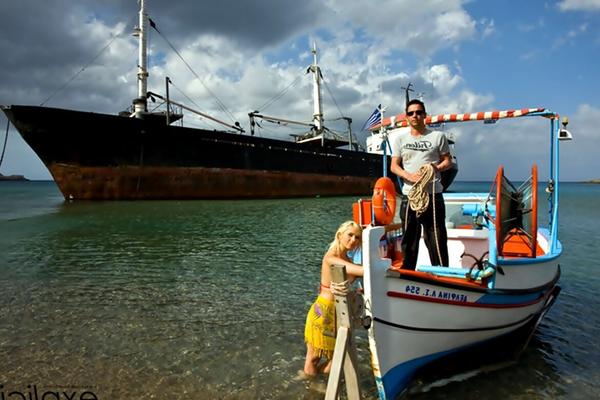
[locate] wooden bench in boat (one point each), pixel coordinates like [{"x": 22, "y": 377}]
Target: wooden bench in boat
[
  {"x": 395, "y": 272},
  {"x": 465, "y": 246}
]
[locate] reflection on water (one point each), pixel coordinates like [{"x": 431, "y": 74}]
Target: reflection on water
[
  {"x": 163, "y": 298},
  {"x": 207, "y": 299}
]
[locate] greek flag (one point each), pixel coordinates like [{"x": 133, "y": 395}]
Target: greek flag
[{"x": 374, "y": 119}]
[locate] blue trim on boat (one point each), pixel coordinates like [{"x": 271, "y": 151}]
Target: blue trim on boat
[
  {"x": 492, "y": 253},
  {"x": 443, "y": 271},
  {"x": 539, "y": 259},
  {"x": 467, "y": 196},
  {"x": 480, "y": 289},
  {"x": 510, "y": 298},
  {"x": 380, "y": 388},
  {"x": 396, "y": 380}
]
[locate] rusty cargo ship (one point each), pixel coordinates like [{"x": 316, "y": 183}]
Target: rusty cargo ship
[
  {"x": 140, "y": 154},
  {"x": 144, "y": 155},
  {"x": 108, "y": 157}
]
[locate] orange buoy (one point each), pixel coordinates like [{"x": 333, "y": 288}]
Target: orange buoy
[{"x": 384, "y": 201}]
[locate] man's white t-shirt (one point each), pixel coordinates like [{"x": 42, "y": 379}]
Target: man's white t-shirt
[{"x": 416, "y": 151}]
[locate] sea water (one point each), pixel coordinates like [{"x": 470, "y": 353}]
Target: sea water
[{"x": 207, "y": 300}]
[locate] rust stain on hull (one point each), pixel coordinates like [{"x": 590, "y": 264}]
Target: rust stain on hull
[{"x": 138, "y": 183}]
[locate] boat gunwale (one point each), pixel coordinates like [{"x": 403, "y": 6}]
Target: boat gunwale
[{"x": 426, "y": 277}]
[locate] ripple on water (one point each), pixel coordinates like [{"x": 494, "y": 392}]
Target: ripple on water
[{"x": 207, "y": 300}]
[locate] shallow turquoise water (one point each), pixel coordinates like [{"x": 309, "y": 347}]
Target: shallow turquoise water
[{"x": 207, "y": 299}]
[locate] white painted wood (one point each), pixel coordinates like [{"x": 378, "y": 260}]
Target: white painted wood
[{"x": 344, "y": 354}]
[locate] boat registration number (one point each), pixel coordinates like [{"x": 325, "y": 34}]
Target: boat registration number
[{"x": 438, "y": 294}]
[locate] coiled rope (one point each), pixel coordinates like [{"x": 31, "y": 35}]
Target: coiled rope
[{"x": 418, "y": 199}]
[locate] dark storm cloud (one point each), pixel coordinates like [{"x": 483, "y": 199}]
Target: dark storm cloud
[
  {"x": 41, "y": 47},
  {"x": 255, "y": 23},
  {"x": 43, "y": 43},
  {"x": 29, "y": 29}
]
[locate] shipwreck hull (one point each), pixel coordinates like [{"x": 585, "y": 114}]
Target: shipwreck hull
[
  {"x": 136, "y": 183},
  {"x": 107, "y": 157}
]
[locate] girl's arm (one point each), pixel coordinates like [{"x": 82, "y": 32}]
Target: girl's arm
[{"x": 351, "y": 269}]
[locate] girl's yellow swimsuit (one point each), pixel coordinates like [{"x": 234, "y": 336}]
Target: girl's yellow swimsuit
[{"x": 320, "y": 331}]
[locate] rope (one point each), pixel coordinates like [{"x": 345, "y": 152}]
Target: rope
[
  {"x": 418, "y": 199},
  {"x": 218, "y": 101},
  {"x": 197, "y": 116},
  {"x": 339, "y": 288},
  {"x": 333, "y": 98},
  {"x": 5, "y": 141},
  {"x": 280, "y": 94},
  {"x": 68, "y": 82}
]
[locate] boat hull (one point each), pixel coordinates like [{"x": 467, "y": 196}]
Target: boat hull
[
  {"x": 152, "y": 182},
  {"x": 107, "y": 157},
  {"x": 419, "y": 320},
  {"x": 431, "y": 331}
]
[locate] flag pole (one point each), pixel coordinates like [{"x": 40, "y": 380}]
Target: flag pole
[{"x": 384, "y": 140}]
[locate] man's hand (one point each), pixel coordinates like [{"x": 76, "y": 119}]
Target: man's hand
[{"x": 412, "y": 177}]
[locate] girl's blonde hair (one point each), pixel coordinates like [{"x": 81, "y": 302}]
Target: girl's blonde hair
[{"x": 336, "y": 246}]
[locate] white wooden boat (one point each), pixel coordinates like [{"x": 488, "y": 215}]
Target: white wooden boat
[{"x": 502, "y": 278}]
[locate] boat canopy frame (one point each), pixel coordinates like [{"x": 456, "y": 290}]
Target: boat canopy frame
[{"x": 556, "y": 134}]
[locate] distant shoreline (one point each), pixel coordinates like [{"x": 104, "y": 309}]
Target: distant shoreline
[
  {"x": 593, "y": 181},
  {"x": 12, "y": 178}
]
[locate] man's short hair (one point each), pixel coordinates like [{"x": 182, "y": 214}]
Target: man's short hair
[{"x": 415, "y": 101}]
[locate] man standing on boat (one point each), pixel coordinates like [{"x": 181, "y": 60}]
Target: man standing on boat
[{"x": 419, "y": 155}]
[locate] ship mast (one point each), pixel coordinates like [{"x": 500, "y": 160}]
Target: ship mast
[
  {"x": 317, "y": 108},
  {"x": 141, "y": 31},
  {"x": 317, "y": 133}
]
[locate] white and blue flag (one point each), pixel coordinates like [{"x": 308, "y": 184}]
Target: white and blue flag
[{"x": 374, "y": 119}]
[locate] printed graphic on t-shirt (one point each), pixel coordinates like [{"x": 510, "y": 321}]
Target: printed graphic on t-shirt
[{"x": 422, "y": 145}]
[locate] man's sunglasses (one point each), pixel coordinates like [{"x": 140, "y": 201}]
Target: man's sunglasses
[{"x": 418, "y": 112}]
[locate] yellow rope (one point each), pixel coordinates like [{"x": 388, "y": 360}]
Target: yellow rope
[{"x": 418, "y": 199}]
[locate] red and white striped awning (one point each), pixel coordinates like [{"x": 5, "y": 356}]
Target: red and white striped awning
[{"x": 401, "y": 121}]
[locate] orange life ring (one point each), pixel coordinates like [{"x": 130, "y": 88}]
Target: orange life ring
[{"x": 384, "y": 201}]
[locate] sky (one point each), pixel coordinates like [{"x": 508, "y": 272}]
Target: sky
[{"x": 459, "y": 55}]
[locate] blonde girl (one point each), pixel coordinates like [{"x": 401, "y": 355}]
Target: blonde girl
[{"x": 320, "y": 330}]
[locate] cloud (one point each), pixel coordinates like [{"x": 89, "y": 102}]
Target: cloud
[
  {"x": 530, "y": 55},
  {"x": 584, "y": 122},
  {"x": 247, "y": 61},
  {"x": 579, "y": 5},
  {"x": 57, "y": 46},
  {"x": 422, "y": 29},
  {"x": 442, "y": 78},
  {"x": 570, "y": 36},
  {"x": 579, "y": 157},
  {"x": 488, "y": 27},
  {"x": 577, "y": 31},
  {"x": 516, "y": 144},
  {"x": 481, "y": 148}
]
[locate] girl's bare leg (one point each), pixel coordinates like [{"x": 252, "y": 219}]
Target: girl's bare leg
[
  {"x": 310, "y": 365},
  {"x": 326, "y": 367}
]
